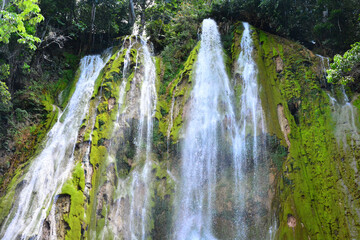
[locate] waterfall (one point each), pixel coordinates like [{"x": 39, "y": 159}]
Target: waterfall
[
  {"x": 346, "y": 131},
  {"x": 221, "y": 156},
  {"x": 344, "y": 113},
  {"x": 52, "y": 167},
  {"x": 249, "y": 149},
  {"x": 129, "y": 218},
  {"x": 141, "y": 178},
  {"x": 324, "y": 66},
  {"x": 252, "y": 116},
  {"x": 210, "y": 111}
]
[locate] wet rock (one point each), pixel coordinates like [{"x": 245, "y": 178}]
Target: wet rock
[
  {"x": 279, "y": 64},
  {"x": 88, "y": 171},
  {"x": 105, "y": 194},
  {"x": 291, "y": 221},
  {"x": 81, "y": 134},
  {"x": 284, "y": 123},
  {"x": 62, "y": 208},
  {"x": 111, "y": 103},
  {"x": 46, "y": 230},
  {"x": 54, "y": 226}
]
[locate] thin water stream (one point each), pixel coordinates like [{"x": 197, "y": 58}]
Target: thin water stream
[
  {"x": 130, "y": 216},
  {"x": 52, "y": 167}
]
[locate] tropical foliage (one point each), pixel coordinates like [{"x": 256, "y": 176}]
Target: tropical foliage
[
  {"x": 20, "y": 17},
  {"x": 345, "y": 68}
]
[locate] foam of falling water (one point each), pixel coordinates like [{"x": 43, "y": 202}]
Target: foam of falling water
[
  {"x": 272, "y": 230},
  {"x": 345, "y": 116},
  {"x": 251, "y": 111},
  {"x": 211, "y": 128},
  {"x": 252, "y": 130},
  {"x": 134, "y": 190},
  {"x": 88, "y": 169},
  {"x": 210, "y": 109},
  {"x": 126, "y": 66},
  {"x": 347, "y": 135},
  {"x": 141, "y": 178},
  {"x": 50, "y": 169},
  {"x": 332, "y": 100},
  {"x": 324, "y": 65},
  {"x": 120, "y": 122}
]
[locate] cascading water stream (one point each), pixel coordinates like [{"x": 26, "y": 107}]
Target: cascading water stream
[
  {"x": 344, "y": 113},
  {"x": 346, "y": 131},
  {"x": 210, "y": 109},
  {"x": 247, "y": 150},
  {"x": 252, "y": 116},
  {"x": 220, "y": 147},
  {"x": 120, "y": 121},
  {"x": 141, "y": 178},
  {"x": 324, "y": 65},
  {"x": 50, "y": 169},
  {"x": 345, "y": 116},
  {"x": 137, "y": 104},
  {"x": 171, "y": 120}
]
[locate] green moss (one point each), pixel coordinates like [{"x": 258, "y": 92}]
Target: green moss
[
  {"x": 159, "y": 72},
  {"x": 7, "y": 200},
  {"x": 97, "y": 155},
  {"x": 161, "y": 174},
  {"x": 104, "y": 126},
  {"x": 133, "y": 53},
  {"x": 69, "y": 76},
  {"x": 98, "y": 83},
  {"x": 67, "y": 86},
  {"x": 180, "y": 89},
  {"x": 115, "y": 65},
  {"x": 87, "y": 135},
  {"x": 129, "y": 80},
  {"x": 177, "y": 125},
  {"x": 52, "y": 112},
  {"x": 268, "y": 78},
  {"x": 74, "y": 188},
  {"x": 186, "y": 72},
  {"x": 235, "y": 47},
  {"x": 103, "y": 107},
  {"x": 162, "y": 199},
  {"x": 308, "y": 186}
]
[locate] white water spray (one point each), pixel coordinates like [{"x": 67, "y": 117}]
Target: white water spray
[
  {"x": 215, "y": 139},
  {"x": 52, "y": 167},
  {"x": 211, "y": 109}
]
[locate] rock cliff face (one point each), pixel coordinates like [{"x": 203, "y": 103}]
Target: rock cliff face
[
  {"x": 321, "y": 165},
  {"x": 123, "y": 188}
]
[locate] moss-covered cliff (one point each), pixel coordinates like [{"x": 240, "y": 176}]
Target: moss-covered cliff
[
  {"x": 312, "y": 169},
  {"x": 318, "y": 180}
]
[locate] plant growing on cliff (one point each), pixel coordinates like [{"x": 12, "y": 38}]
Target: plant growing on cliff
[
  {"x": 345, "y": 68},
  {"x": 5, "y": 96}
]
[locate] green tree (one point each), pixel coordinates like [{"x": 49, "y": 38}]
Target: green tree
[
  {"x": 345, "y": 68},
  {"x": 329, "y": 24},
  {"x": 20, "y": 18},
  {"x": 5, "y": 96}
]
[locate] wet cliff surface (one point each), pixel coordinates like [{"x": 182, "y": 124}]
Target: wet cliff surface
[{"x": 274, "y": 155}]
